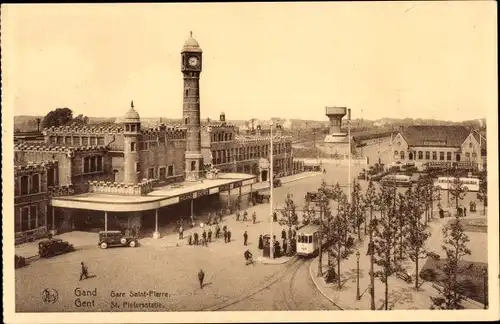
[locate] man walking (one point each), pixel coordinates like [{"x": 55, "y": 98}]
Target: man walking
[
  {"x": 245, "y": 214},
  {"x": 245, "y": 238},
  {"x": 254, "y": 217},
  {"x": 210, "y": 235},
  {"x": 229, "y": 236},
  {"x": 84, "y": 272},
  {"x": 225, "y": 236},
  {"x": 201, "y": 276},
  {"x": 238, "y": 216},
  {"x": 181, "y": 233}
]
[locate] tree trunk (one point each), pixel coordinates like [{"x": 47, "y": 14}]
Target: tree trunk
[
  {"x": 365, "y": 222},
  {"x": 416, "y": 270},
  {"x": 339, "y": 282},
  {"x": 386, "y": 291},
  {"x": 359, "y": 231},
  {"x": 372, "y": 274}
]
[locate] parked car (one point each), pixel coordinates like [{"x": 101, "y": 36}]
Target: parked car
[
  {"x": 261, "y": 197},
  {"x": 19, "y": 261},
  {"x": 116, "y": 238},
  {"x": 311, "y": 195},
  {"x": 53, "y": 247},
  {"x": 276, "y": 183}
]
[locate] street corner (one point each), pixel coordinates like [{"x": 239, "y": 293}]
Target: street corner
[{"x": 320, "y": 286}]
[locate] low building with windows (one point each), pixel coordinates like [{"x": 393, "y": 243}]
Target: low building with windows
[
  {"x": 32, "y": 184},
  {"x": 440, "y": 146}
]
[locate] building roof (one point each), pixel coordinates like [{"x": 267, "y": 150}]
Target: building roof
[
  {"x": 449, "y": 136},
  {"x": 191, "y": 45},
  {"x": 132, "y": 115}
]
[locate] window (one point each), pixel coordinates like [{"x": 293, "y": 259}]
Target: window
[
  {"x": 50, "y": 177},
  {"x": 470, "y": 145},
  {"x": 99, "y": 163},
  {"x": 85, "y": 141},
  {"x": 132, "y": 128},
  {"x": 186, "y": 92},
  {"x": 163, "y": 173},
  {"x": 427, "y": 155},
  {"x": 170, "y": 171},
  {"x": 132, "y": 147},
  {"x": 402, "y": 155},
  {"x": 17, "y": 212},
  {"x": 448, "y": 156},
  {"x": 86, "y": 165},
  {"x": 93, "y": 166},
  {"x": 60, "y": 140},
  {"x": 193, "y": 165},
  {"x": 151, "y": 173},
  {"x": 420, "y": 155},
  {"x": 441, "y": 156},
  {"x": 53, "y": 140},
  {"x": 33, "y": 217},
  {"x": 76, "y": 141},
  {"x": 100, "y": 141},
  {"x": 434, "y": 155},
  {"x": 93, "y": 141},
  {"x": 25, "y": 218},
  {"x": 24, "y": 185},
  {"x": 137, "y": 169},
  {"x": 186, "y": 121},
  {"x": 396, "y": 154},
  {"x": 35, "y": 183},
  {"x": 226, "y": 136},
  {"x": 474, "y": 156},
  {"x": 67, "y": 140},
  {"x": 467, "y": 156}
]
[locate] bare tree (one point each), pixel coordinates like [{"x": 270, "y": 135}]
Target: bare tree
[
  {"x": 370, "y": 200},
  {"x": 385, "y": 237},
  {"x": 289, "y": 215},
  {"x": 455, "y": 246},
  {"x": 457, "y": 189},
  {"x": 416, "y": 233},
  {"x": 482, "y": 194},
  {"x": 356, "y": 209}
]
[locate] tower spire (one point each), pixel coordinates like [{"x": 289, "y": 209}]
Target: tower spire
[
  {"x": 132, "y": 104},
  {"x": 190, "y": 33}
]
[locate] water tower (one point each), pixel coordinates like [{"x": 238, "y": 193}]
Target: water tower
[
  {"x": 336, "y": 143},
  {"x": 335, "y": 114}
]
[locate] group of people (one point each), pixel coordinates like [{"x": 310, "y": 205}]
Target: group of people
[
  {"x": 287, "y": 246},
  {"x": 245, "y": 216},
  {"x": 206, "y": 236},
  {"x": 461, "y": 210}
]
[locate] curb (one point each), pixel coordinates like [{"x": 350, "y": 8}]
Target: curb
[
  {"x": 320, "y": 290},
  {"x": 259, "y": 259}
]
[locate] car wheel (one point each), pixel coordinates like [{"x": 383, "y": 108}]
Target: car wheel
[
  {"x": 132, "y": 244},
  {"x": 104, "y": 245},
  {"x": 123, "y": 241}
]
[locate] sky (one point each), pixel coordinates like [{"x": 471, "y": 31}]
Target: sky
[{"x": 290, "y": 60}]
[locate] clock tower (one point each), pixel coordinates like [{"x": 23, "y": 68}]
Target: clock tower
[{"x": 191, "y": 69}]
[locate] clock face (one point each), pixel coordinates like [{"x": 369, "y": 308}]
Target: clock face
[{"x": 193, "y": 61}]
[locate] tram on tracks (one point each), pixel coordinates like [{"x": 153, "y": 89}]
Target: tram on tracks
[{"x": 308, "y": 241}]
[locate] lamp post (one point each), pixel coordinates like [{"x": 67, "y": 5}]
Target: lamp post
[
  {"x": 485, "y": 289},
  {"x": 271, "y": 246},
  {"x": 320, "y": 250},
  {"x": 358, "y": 297},
  {"x": 349, "y": 167}
]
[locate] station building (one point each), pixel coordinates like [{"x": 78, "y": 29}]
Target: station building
[
  {"x": 127, "y": 175},
  {"x": 440, "y": 147}
]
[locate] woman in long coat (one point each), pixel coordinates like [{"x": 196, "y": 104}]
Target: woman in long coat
[{"x": 261, "y": 242}]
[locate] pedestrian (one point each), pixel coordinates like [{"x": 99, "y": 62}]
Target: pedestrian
[
  {"x": 245, "y": 238},
  {"x": 217, "y": 231},
  {"x": 225, "y": 236},
  {"x": 190, "y": 239},
  {"x": 181, "y": 233},
  {"x": 441, "y": 213},
  {"x": 294, "y": 233},
  {"x": 289, "y": 233},
  {"x": 195, "y": 238},
  {"x": 204, "y": 235},
  {"x": 228, "y": 236},
  {"x": 283, "y": 234},
  {"x": 261, "y": 242},
  {"x": 220, "y": 216},
  {"x": 238, "y": 216},
  {"x": 84, "y": 272},
  {"x": 245, "y": 215},
  {"x": 201, "y": 276},
  {"x": 275, "y": 217},
  {"x": 285, "y": 245},
  {"x": 254, "y": 217},
  {"x": 224, "y": 228},
  {"x": 465, "y": 211},
  {"x": 210, "y": 235}
]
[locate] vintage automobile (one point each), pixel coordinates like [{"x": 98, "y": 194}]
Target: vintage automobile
[
  {"x": 116, "y": 238},
  {"x": 19, "y": 261},
  {"x": 52, "y": 247},
  {"x": 261, "y": 197},
  {"x": 277, "y": 183}
]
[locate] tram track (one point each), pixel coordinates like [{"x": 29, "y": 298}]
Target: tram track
[{"x": 266, "y": 284}]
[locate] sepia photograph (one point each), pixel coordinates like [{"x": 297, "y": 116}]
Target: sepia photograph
[{"x": 263, "y": 162}]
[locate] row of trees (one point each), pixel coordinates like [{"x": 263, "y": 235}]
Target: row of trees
[
  {"x": 62, "y": 117},
  {"x": 395, "y": 223}
]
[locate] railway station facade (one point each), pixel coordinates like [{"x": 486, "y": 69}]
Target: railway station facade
[{"x": 132, "y": 174}]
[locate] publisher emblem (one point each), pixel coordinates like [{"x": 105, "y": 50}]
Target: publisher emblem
[{"x": 49, "y": 296}]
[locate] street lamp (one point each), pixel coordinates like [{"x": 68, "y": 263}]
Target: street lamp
[
  {"x": 358, "y": 297},
  {"x": 271, "y": 247},
  {"x": 485, "y": 289},
  {"x": 349, "y": 168},
  {"x": 320, "y": 252}
]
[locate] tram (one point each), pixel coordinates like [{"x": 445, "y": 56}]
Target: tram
[{"x": 308, "y": 241}]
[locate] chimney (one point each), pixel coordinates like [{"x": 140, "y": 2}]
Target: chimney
[
  {"x": 258, "y": 131},
  {"x": 38, "y": 120}
]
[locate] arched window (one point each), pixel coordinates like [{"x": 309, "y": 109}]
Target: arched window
[
  {"x": 193, "y": 165},
  {"x": 396, "y": 154},
  {"x": 402, "y": 155},
  {"x": 420, "y": 155},
  {"x": 467, "y": 156},
  {"x": 186, "y": 92},
  {"x": 132, "y": 147},
  {"x": 186, "y": 121}
]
